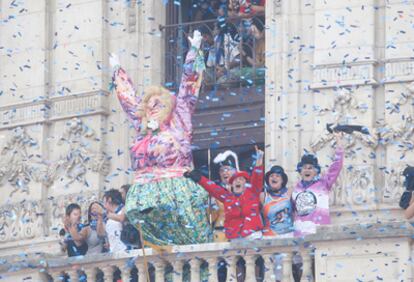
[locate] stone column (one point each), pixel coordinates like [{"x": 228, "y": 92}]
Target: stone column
[
  {"x": 90, "y": 273},
  {"x": 269, "y": 267},
  {"x": 250, "y": 268},
  {"x": 287, "y": 267},
  {"x": 195, "y": 264},
  {"x": 177, "y": 274},
  {"x": 232, "y": 269},
  {"x": 159, "y": 270},
  {"x": 142, "y": 272},
  {"x": 73, "y": 275},
  {"x": 212, "y": 269},
  {"x": 307, "y": 274},
  {"x": 108, "y": 272}
]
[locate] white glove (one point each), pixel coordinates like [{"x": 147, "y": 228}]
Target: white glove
[
  {"x": 196, "y": 39},
  {"x": 114, "y": 60}
]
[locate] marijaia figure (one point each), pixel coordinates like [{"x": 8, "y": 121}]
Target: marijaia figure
[{"x": 172, "y": 208}]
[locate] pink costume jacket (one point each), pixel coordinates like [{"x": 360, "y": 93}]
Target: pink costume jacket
[
  {"x": 312, "y": 203},
  {"x": 166, "y": 152}
]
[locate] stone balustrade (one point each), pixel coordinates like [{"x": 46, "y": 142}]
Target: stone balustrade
[{"x": 335, "y": 252}]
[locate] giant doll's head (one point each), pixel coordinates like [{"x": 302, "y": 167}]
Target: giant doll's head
[{"x": 156, "y": 108}]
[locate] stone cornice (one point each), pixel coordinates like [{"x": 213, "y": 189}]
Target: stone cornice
[{"x": 54, "y": 108}]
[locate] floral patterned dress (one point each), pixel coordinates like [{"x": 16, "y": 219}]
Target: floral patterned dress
[{"x": 172, "y": 208}]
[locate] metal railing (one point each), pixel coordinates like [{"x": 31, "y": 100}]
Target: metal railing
[{"x": 233, "y": 50}]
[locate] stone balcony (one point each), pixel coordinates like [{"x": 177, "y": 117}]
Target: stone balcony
[{"x": 359, "y": 252}]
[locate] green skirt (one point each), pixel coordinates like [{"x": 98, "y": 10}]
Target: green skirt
[{"x": 172, "y": 211}]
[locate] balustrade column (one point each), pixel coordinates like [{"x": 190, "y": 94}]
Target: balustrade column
[
  {"x": 73, "y": 275},
  {"x": 57, "y": 276},
  {"x": 108, "y": 272},
  {"x": 269, "y": 268},
  {"x": 232, "y": 269},
  {"x": 287, "y": 267},
  {"x": 195, "y": 265},
  {"x": 90, "y": 274},
  {"x": 177, "y": 275},
  {"x": 159, "y": 271},
  {"x": 212, "y": 269},
  {"x": 307, "y": 275},
  {"x": 142, "y": 272},
  {"x": 125, "y": 272},
  {"x": 250, "y": 268}
]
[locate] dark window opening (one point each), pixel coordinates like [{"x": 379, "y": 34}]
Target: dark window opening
[{"x": 230, "y": 110}]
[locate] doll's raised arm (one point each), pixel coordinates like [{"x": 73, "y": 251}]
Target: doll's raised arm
[{"x": 126, "y": 93}]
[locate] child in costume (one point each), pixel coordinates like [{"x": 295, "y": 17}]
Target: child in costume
[
  {"x": 228, "y": 165},
  {"x": 311, "y": 195},
  {"x": 242, "y": 203},
  {"x": 277, "y": 206},
  {"x": 171, "y": 207}
]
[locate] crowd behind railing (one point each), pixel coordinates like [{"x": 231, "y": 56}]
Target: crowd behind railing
[{"x": 233, "y": 42}]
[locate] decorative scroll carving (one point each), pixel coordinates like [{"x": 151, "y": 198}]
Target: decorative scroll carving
[
  {"x": 395, "y": 105},
  {"x": 354, "y": 186},
  {"x": 351, "y": 143},
  {"x": 20, "y": 221},
  {"x": 394, "y": 187},
  {"x": 343, "y": 103},
  {"x": 402, "y": 135},
  {"x": 17, "y": 165},
  {"x": 79, "y": 158}
]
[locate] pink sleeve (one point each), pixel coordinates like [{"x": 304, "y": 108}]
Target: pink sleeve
[
  {"x": 189, "y": 89},
  {"x": 334, "y": 169},
  {"x": 127, "y": 97},
  {"x": 257, "y": 179}
]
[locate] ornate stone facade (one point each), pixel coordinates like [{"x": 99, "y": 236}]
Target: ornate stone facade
[{"x": 326, "y": 62}]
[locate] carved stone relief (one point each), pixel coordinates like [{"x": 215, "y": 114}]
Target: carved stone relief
[
  {"x": 343, "y": 103},
  {"x": 393, "y": 184},
  {"x": 78, "y": 158},
  {"x": 21, "y": 221},
  {"x": 19, "y": 164},
  {"x": 353, "y": 187}
]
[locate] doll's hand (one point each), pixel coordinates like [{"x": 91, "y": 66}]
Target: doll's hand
[
  {"x": 194, "y": 175},
  {"x": 114, "y": 60},
  {"x": 196, "y": 39}
]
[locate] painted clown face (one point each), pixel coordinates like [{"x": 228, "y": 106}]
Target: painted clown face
[
  {"x": 239, "y": 185},
  {"x": 308, "y": 172}
]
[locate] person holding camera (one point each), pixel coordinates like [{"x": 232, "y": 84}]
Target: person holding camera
[{"x": 407, "y": 199}]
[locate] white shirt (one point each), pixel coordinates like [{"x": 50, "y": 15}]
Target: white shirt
[{"x": 113, "y": 230}]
